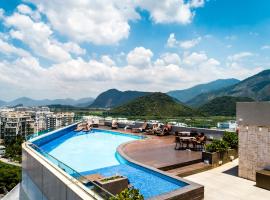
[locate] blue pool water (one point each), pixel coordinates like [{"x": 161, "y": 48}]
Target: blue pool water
[{"x": 95, "y": 152}]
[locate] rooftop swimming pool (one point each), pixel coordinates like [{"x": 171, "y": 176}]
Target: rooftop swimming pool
[{"x": 95, "y": 152}]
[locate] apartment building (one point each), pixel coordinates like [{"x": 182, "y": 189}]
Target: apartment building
[
  {"x": 15, "y": 123},
  {"x": 57, "y": 120},
  {"x": 28, "y": 120}
]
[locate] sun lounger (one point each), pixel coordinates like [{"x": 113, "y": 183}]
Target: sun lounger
[{"x": 143, "y": 128}]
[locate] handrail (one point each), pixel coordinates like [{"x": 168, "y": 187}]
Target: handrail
[{"x": 103, "y": 193}]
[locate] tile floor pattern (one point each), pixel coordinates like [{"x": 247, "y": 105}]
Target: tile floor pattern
[{"x": 222, "y": 183}]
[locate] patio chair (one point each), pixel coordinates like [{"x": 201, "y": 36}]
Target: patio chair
[{"x": 143, "y": 128}]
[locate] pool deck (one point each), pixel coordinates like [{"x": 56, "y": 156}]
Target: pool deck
[
  {"x": 223, "y": 183},
  {"x": 158, "y": 152}
]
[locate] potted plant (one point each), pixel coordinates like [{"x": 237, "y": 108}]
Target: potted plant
[
  {"x": 215, "y": 152},
  {"x": 232, "y": 139},
  {"x": 114, "y": 184},
  {"x": 127, "y": 194}
]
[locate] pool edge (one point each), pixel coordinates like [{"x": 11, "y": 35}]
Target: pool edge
[{"x": 191, "y": 191}]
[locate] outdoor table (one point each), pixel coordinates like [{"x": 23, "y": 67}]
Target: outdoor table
[
  {"x": 187, "y": 140},
  {"x": 185, "y": 133}
]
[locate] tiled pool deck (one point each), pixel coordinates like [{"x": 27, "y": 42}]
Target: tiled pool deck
[{"x": 223, "y": 183}]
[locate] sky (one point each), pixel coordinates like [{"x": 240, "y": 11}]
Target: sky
[{"x": 80, "y": 48}]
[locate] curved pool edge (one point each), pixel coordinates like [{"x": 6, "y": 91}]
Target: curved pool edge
[{"x": 191, "y": 191}]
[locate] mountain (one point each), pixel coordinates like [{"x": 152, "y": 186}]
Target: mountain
[
  {"x": 112, "y": 98},
  {"x": 32, "y": 102},
  {"x": 222, "y": 106},
  {"x": 2, "y": 103},
  {"x": 188, "y": 94},
  {"x": 155, "y": 104},
  {"x": 256, "y": 87}
]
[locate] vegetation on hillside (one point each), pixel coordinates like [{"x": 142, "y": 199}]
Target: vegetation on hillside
[
  {"x": 223, "y": 106},
  {"x": 112, "y": 98},
  {"x": 10, "y": 176},
  {"x": 256, "y": 87},
  {"x": 155, "y": 105},
  {"x": 188, "y": 94}
]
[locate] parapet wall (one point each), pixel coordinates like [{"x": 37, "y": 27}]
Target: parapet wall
[{"x": 254, "y": 138}]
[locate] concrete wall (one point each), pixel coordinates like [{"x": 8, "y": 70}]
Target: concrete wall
[
  {"x": 254, "y": 137},
  {"x": 41, "y": 181}
]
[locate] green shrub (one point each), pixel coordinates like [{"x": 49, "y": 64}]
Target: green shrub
[
  {"x": 231, "y": 138},
  {"x": 128, "y": 194},
  {"x": 217, "y": 146}
]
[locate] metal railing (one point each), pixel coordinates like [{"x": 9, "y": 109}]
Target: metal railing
[{"x": 101, "y": 192}]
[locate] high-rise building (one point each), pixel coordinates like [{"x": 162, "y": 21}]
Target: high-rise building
[{"x": 15, "y": 123}]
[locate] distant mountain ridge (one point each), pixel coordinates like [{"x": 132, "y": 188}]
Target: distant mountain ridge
[
  {"x": 113, "y": 97},
  {"x": 256, "y": 87},
  {"x": 154, "y": 104},
  {"x": 43, "y": 102},
  {"x": 222, "y": 106},
  {"x": 187, "y": 94}
]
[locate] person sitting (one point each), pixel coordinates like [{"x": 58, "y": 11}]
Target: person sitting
[
  {"x": 155, "y": 128},
  {"x": 114, "y": 124},
  {"x": 199, "y": 142},
  {"x": 166, "y": 130}
]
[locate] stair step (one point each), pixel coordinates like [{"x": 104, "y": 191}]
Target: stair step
[{"x": 190, "y": 169}]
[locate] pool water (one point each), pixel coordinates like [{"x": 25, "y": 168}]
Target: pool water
[{"x": 95, "y": 152}]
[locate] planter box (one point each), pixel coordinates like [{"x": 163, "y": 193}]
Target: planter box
[
  {"x": 263, "y": 179},
  {"x": 114, "y": 186},
  {"x": 217, "y": 158}
]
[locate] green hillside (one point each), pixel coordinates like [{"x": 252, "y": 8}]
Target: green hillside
[
  {"x": 256, "y": 87},
  {"x": 112, "y": 98},
  {"x": 188, "y": 94},
  {"x": 223, "y": 106},
  {"x": 156, "y": 104}
]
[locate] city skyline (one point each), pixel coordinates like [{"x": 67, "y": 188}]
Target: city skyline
[{"x": 55, "y": 50}]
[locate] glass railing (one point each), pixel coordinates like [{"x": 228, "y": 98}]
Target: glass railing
[
  {"x": 104, "y": 194},
  {"x": 31, "y": 136}
]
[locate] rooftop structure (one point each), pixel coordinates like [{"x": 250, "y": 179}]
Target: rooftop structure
[{"x": 254, "y": 138}]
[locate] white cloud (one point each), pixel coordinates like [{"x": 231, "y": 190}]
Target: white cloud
[
  {"x": 9, "y": 49},
  {"x": 194, "y": 58},
  {"x": 39, "y": 37},
  {"x": 81, "y": 20},
  {"x": 264, "y": 47},
  {"x": 80, "y": 78},
  {"x": 172, "y": 42},
  {"x": 168, "y": 11},
  {"x": 2, "y": 12},
  {"x": 25, "y": 9},
  {"x": 197, "y": 3},
  {"x": 239, "y": 56},
  {"x": 140, "y": 57},
  {"x": 107, "y": 60},
  {"x": 186, "y": 44},
  {"x": 190, "y": 43},
  {"x": 168, "y": 58}
]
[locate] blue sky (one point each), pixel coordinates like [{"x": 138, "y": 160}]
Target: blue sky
[{"x": 56, "y": 49}]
